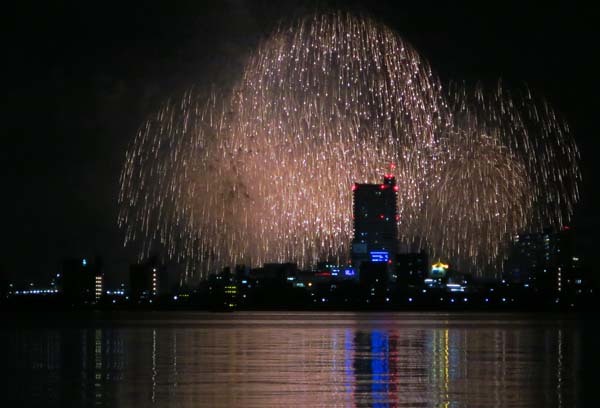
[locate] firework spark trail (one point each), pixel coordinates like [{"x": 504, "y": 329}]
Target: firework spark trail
[
  {"x": 263, "y": 172},
  {"x": 509, "y": 166}
]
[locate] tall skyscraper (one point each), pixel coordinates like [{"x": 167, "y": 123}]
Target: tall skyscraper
[{"x": 375, "y": 222}]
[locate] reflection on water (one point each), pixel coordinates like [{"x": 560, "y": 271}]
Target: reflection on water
[{"x": 295, "y": 359}]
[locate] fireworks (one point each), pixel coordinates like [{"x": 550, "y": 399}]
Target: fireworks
[
  {"x": 508, "y": 166},
  {"x": 262, "y": 172}
]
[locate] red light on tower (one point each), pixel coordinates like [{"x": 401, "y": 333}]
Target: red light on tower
[
  {"x": 383, "y": 186},
  {"x": 323, "y": 274},
  {"x": 354, "y": 187},
  {"x": 396, "y": 189},
  {"x": 381, "y": 216},
  {"x": 390, "y": 175}
]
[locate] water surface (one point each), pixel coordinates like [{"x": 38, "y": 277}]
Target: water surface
[{"x": 188, "y": 359}]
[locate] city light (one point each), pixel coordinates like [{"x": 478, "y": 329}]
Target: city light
[{"x": 379, "y": 256}]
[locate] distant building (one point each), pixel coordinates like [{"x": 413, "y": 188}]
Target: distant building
[
  {"x": 375, "y": 223},
  {"x": 223, "y": 290},
  {"x": 374, "y": 279},
  {"x": 241, "y": 272},
  {"x": 334, "y": 271},
  {"x": 145, "y": 280},
  {"x": 547, "y": 260},
  {"x": 529, "y": 254},
  {"x": 412, "y": 268},
  {"x": 438, "y": 270},
  {"x": 80, "y": 280},
  {"x": 275, "y": 273}
]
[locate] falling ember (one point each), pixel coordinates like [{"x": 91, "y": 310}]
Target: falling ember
[
  {"x": 509, "y": 166},
  {"x": 261, "y": 173}
]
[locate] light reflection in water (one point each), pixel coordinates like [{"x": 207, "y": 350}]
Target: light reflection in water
[{"x": 271, "y": 359}]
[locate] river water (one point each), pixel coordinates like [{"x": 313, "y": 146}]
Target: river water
[{"x": 264, "y": 359}]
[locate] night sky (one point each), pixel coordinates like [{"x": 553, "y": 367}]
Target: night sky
[{"x": 82, "y": 76}]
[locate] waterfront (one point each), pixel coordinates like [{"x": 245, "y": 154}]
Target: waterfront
[{"x": 261, "y": 359}]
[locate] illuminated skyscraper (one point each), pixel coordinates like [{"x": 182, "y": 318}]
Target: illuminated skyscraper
[{"x": 375, "y": 222}]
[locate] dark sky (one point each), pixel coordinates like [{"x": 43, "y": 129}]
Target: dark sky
[{"x": 81, "y": 76}]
